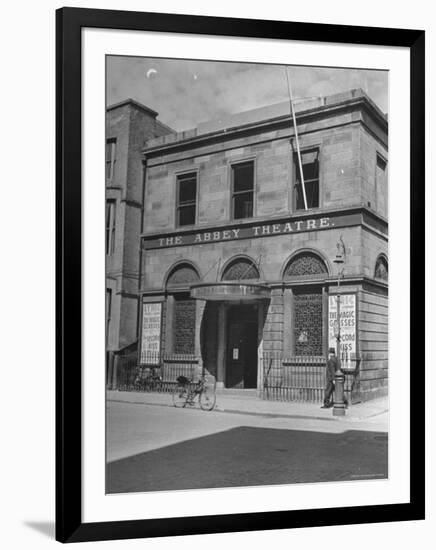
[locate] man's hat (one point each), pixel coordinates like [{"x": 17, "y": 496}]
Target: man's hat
[{"x": 332, "y": 350}]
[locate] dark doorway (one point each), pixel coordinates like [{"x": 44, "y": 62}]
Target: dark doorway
[{"x": 241, "y": 360}]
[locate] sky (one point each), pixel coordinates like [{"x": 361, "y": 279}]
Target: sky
[{"x": 187, "y": 92}]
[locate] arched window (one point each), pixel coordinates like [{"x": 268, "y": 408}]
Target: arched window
[
  {"x": 307, "y": 311},
  {"x": 182, "y": 309},
  {"x": 241, "y": 269},
  {"x": 182, "y": 275},
  {"x": 305, "y": 264},
  {"x": 381, "y": 268}
]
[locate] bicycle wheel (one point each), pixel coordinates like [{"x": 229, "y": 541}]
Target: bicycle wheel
[
  {"x": 207, "y": 398},
  {"x": 147, "y": 383},
  {"x": 180, "y": 396},
  {"x": 157, "y": 385}
]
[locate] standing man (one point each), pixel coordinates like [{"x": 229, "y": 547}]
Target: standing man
[{"x": 332, "y": 365}]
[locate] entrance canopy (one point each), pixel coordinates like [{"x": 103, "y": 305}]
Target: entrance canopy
[{"x": 230, "y": 291}]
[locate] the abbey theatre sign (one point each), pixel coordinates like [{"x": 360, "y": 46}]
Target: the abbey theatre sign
[{"x": 235, "y": 232}]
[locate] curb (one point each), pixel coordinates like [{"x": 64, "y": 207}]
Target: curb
[{"x": 261, "y": 414}]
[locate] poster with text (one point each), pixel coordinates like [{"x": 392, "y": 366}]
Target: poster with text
[
  {"x": 347, "y": 311},
  {"x": 151, "y": 330}
]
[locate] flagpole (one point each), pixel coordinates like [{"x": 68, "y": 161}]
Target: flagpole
[{"x": 291, "y": 104}]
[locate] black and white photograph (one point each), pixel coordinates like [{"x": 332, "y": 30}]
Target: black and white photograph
[
  {"x": 247, "y": 274},
  {"x": 218, "y": 307}
]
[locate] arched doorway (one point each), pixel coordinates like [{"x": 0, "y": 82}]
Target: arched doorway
[{"x": 242, "y": 328}]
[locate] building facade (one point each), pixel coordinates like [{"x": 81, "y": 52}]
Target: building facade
[
  {"x": 237, "y": 273},
  {"x": 128, "y": 125}
]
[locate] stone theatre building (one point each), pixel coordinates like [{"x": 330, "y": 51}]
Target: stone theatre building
[{"x": 224, "y": 267}]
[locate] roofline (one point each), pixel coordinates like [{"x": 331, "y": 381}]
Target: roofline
[
  {"x": 130, "y": 101},
  {"x": 165, "y": 126},
  {"x": 363, "y": 100}
]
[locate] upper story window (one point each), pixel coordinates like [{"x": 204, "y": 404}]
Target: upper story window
[
  {"x": 111, "y": 157},
  {"x": 310, "y": 165},
  {"x": 242, "y": 190},
  {"x": 381, "y": 268},
  {"x": 110, "y": 227},
  {"x": 108, "y": 304},
  {"x": 381, "y": 172},
  {"x": 186, "y": 199}
]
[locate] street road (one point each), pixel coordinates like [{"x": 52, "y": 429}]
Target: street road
[{"x": 152, "y": 448}]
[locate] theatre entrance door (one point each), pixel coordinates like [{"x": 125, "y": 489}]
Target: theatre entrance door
[{"x": 242, "y": 341}]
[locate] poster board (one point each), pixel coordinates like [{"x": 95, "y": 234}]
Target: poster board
[
  {"x": 348, "y": 320},
  {"x": 151, "y": 332}
]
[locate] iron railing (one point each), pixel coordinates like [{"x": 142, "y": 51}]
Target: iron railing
[
  {"x": 126, "y": 372},
  {"x": 156, "y": 373},
  {"x": 297, "y": 378},
  {"x": 302, "y": 378}
]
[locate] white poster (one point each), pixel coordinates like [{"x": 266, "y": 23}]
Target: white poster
[
  {"x": 151, "y": 328},
  {"x": 348, "y": 323}
]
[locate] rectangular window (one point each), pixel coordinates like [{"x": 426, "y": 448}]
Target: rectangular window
[
  {"x": 242, "y": 190},
  {"x": 310, "y": 165},
  {"x": 108, "y": 303},
  {"x": 108, "y": 312},
  {"x": 380, "y": 172},
  {"x": 186, "y": 199},
  {"x": 111, "y": 152},
  {"x": 110, "y": 227}
]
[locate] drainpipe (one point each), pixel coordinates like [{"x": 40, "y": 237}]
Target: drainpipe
[{"x": 138, "y": 320}]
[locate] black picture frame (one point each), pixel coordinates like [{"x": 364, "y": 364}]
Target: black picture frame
[{"x": 69, "y": 22}]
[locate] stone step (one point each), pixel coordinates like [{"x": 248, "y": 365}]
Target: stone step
[{"x": 235, "y": 392}]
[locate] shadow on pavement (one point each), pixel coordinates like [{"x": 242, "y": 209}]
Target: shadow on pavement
[{"x": 248, "y": 456}]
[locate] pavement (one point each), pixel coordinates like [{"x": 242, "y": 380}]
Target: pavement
[
  {"x": 244, "y": 441},
  {"x": 247, "y": 403}
]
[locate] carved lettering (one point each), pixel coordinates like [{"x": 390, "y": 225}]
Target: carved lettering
[
  {"x": 242, "y": 232},
  {"x": 298, "y": 224}
]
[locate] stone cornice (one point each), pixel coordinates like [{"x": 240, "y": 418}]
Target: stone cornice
[
  {"x": 351, "y": 216},
  {"x": 194, "y": 140},
  {"x": 331, "y": 281}
]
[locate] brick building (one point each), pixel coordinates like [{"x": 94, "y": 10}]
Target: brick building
[{"x": 237, "y": 276}]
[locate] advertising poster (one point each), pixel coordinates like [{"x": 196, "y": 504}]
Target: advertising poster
[
  {"x": 348, "y": 323},
  {"x": 151, "y": 329}
]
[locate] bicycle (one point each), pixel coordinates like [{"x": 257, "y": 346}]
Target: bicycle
[
  {"x": 147, "y": 382},
  {"x": 186, "y": 391}
]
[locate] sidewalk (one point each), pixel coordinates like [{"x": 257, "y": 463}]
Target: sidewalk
[{"x": 250, "y": 404}]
